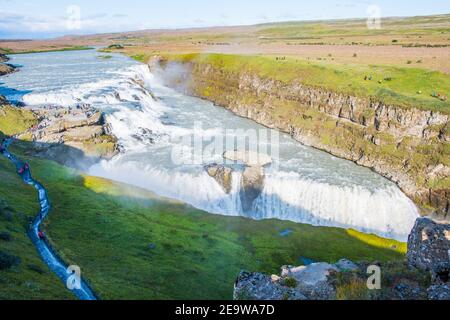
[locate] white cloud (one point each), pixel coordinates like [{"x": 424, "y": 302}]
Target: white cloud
[{"x": 24, "y": 24}]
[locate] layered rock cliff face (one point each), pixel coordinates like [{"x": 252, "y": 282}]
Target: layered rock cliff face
[
  {"x": 409, "y": 146},
  {"x": 76, "y": 136}
]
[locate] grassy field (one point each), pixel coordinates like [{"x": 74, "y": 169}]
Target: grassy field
[
  {"x": 393, "y": 85},
  {"x": 131, "y": 244},
  {"x": 403, "y": 30},
  {"x": 38, "y": 49},
  {"x": 14, "y": 120}
]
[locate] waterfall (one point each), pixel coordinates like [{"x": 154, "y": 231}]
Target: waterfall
[{"x": 302, "y": 185}]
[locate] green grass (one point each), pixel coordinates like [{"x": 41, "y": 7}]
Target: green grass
[
  {"x": 401, "y": 90},
  {"x": 30, "y": 279},
  {"x": 15, "y": 120},
  {"x": 140, "y": 57},
  {"x": 109, "y": 230},
  {"x": 309, "y": 30}
]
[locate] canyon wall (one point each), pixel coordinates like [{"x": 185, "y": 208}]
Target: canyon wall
[{"x": 409, "y": 146}]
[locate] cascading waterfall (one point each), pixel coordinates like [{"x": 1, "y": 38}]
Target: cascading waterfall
[
  {"x": 289, "y": 197},
  {"x": 302, "y": 184}
]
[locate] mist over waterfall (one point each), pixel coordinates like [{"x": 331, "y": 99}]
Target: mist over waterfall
[{"x": 301, "y": 184}]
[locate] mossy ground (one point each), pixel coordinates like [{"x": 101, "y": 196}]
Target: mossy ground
[{"x": 15, "y": 120}]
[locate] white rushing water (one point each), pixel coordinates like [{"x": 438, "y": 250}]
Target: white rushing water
[{"x": 302, "y": 184}]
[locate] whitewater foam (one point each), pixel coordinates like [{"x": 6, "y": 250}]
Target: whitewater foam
[{"x": 303, "y": 184}]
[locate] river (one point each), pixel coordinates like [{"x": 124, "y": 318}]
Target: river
[{"x": 153, "y": 124}]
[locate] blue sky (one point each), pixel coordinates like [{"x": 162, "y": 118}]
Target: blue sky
[{"x": 45, "y": 18}]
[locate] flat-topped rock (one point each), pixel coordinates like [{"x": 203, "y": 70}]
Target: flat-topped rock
[
  {"x": 222, "y": 174},
  {"x": 257, "y": 286},
  {"x": 72, "y": 136},
  {"x": 249, "y": 158},
  {"x": 295, "y": 283},
  {"x": 309, "y": 275}
]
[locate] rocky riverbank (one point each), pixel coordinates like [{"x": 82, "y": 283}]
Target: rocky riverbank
[
  {"x": 425, "y": 275},
  {"x": 76, "y": 136},
  {"x": 4, "y": 67},
  {"x": 407, "y": 145}
]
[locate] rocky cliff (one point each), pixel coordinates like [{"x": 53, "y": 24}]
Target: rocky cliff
[
  {"x": 5, "y": 68},
  {"x": 76, "y": 136},
  {"x": 407, "y": 145},
  {"x": 3, "y": 58}
]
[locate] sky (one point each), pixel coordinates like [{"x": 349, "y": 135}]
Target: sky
[{"x": 20, "y": 19}]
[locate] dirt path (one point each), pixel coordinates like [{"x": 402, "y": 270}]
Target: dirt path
[{"x": 48, "y": 255}]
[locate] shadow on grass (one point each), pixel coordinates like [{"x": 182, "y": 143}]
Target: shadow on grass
[{"x": 132, "y": 244}]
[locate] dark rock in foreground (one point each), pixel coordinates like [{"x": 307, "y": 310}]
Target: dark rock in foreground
[
  {"x": 295, "y": 283},
  {"x": 429, "y": 245},
  {"x": 439, "y": 292},
  {"x": 257, "y": 286}
]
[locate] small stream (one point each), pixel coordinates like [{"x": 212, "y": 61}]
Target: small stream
[{"x": 48, "y": 255}]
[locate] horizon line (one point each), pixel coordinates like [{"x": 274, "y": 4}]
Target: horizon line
[{"x": 216, "y": 27}]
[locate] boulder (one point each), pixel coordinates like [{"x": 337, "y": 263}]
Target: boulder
[
  {"x": 3, "y": 57},
  {"x": 257, "y": 286},
  {"x": 248, "y": 158},
  {"x": 252, "y": 185},
  {"x": 406, "y": 289},
  {"x": 429, "y": 245},
  {"x": 312, "y": 280},
  {"x": 294, "y": 283},
  {"x": 346, "y": 265},
  {"x": 439, "y": 292},
  {"x": 222, "y": 174}
]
